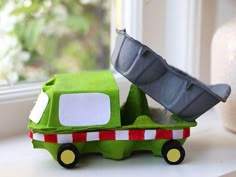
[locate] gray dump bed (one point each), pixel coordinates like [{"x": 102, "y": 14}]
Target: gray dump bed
[{"x": 177, "y": 91}]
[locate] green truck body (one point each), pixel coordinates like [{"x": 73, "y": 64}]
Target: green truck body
[{"x": 81, "y": 113}]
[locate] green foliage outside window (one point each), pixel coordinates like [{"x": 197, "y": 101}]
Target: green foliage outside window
[{"x": 58, "y": 36}]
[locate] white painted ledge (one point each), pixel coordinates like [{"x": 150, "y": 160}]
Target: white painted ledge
[
  {"x": 16, "y": 103},
  {"x": 210, "y": 151}
]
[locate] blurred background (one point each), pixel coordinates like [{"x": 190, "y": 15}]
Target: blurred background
[{"x": 40, "y": 38}]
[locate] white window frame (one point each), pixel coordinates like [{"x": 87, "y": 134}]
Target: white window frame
[{"x": 135, "y": 16}]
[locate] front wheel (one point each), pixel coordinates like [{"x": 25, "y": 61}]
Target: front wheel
[
  {"x": 67, "y": 155},
  {"x": 173, "y": 152}
]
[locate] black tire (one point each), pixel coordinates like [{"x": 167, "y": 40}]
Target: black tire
[
  {"x": 173, "y": 152},
  {"x": 68, "y": 156}
]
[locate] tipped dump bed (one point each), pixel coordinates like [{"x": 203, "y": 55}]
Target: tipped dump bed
[{"x": 177, "y": 91}]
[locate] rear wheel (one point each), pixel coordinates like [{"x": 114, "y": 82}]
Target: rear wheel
[
  {"x": 67, "y": 155},
  {"x": 173, "y": 152}
]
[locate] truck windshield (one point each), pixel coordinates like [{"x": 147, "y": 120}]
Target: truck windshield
[{"x": 39, "y": 107}]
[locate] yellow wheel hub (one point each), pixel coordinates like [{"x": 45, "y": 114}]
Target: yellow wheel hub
[
  {"x": 173, "y": 155},
  {"x": 67, "y": 157}
]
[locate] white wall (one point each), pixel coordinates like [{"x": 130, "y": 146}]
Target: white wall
[
  {"x": 154, "y": 15},
  {"x": 168, "y": 26},
  {"x": 225, "y": 10},
  {"x": 171, "y": 28},
  {"x": 163, "y": 31}
]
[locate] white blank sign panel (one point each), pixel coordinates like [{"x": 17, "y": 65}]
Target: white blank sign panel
[
  {"x": 84, "y": 109},
  {"x": 39, "y": 107}
]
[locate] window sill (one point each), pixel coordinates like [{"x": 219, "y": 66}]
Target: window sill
[
  {"x": 15, "y": 105},
  {"x": 205, "y": 156}
]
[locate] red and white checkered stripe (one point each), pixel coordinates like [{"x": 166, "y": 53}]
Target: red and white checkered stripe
[{"x": 136, "y": 134}]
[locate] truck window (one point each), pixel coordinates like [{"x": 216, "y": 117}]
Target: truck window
[{"x": 84, "y": 109}]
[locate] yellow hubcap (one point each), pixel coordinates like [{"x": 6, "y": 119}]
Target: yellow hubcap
[
  {"x": 67, "y": 157},
  {"x": 173, "y": 155}
]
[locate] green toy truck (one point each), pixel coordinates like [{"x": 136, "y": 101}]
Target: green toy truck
[{"x": 80, "y": 113}]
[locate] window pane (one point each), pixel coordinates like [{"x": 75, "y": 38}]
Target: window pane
[{"x": 41, "y": 38}]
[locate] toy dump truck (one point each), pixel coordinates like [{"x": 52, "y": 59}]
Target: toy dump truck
[{"x": 80, "y": 113}]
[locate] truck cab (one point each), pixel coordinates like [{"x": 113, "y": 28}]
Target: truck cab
[{"x": 84, "y": 101}]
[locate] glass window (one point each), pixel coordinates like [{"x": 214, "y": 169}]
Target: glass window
[
  {"x": 41, "y": 38},
  {"x": 84, "y": 109}
]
